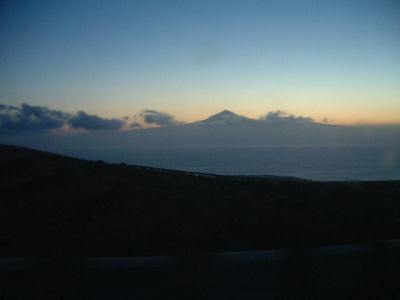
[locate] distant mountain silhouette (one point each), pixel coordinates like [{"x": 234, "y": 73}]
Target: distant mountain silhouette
[
  {"x": 55, "y": 205},
  {"x": 223, "y": 129},
  {"x": 225, "y": 117}
]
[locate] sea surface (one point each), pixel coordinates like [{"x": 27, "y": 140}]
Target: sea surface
[{"x": 325, "y": 163}]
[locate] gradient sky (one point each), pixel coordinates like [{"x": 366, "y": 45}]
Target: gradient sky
[{"x": 334, "y": 59}]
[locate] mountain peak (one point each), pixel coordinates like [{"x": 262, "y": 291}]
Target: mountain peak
[
  {"x": 223, "y": 114},
  {"x": 225, "y": 117},
  {"x": 226, "y": 112}
]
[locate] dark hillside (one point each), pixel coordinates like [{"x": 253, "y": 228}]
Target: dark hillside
[{"x": 54, "y": 205}]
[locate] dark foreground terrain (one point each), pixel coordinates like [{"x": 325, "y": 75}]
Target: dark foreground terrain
[
  {"x": 364, "y": 272},
  {"x": 58, "y": 206}
]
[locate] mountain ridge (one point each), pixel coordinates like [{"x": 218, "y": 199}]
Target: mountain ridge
[{"x": 53, "y": 205}]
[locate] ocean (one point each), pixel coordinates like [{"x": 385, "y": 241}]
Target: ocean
[{"x": 324, "y": 163}]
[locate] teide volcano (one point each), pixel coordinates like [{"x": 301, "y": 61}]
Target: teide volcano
[{"x": 225, "y": 117}]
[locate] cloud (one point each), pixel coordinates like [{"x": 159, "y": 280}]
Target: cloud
[
  {"x": 153, "y": 117},
  {"x": 29, "y": 118},
  {"x": 282, "y": 116},
  {"x": 33, "y": 119},
  {"x": 327, "y": 120},
  {"x": 135, "y": 125},
  {"x": 92, "y": 122}
]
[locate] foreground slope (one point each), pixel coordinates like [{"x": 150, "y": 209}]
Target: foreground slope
[{"x": 54, "y": 205}]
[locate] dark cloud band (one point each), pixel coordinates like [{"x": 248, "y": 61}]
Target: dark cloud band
[
  {"x": 92, "y": 122},
  {"x": 28, "y": 119},
  {"x": 154, "y": 117}
]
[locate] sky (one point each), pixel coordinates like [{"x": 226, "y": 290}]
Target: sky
[{"x": 338, "y": 60}]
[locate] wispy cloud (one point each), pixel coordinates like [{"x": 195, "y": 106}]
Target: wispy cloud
[
  {"x": 135, "y": 125},
  {"x": 282, "y": 116}
]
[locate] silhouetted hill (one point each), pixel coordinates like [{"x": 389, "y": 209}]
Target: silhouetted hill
[{"x": 55, "y": 205}]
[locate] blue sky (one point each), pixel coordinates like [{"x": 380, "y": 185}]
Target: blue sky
[{"x": 334, "y": 59}]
